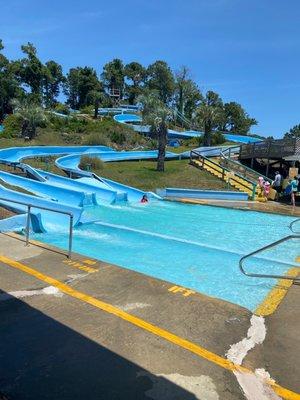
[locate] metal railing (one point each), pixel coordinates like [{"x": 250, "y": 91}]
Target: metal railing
[
  {"x": 235, "y": 177},
  {"x": 27, "y": 230},
  {"x": 291, "y": 226},
  {"x": 246, "y": 172},
  {"x": 269, "y": 246}
]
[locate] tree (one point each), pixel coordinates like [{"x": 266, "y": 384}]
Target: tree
[
  {"x": 113, "y": 76},
  {"x": 236, "y": 119},
  {"x": 161, "y": 79},
  {"x": 79, "y": 83},
  {"x": 293, "y": 133},
  {"x": 53, "y": 79},
  {"x": 136, "y": 74},
  {"x": 158, "y": 116},
  {"x": 31, "y": 115},
  {"x": 187, "y": 94},
  {"x": 9, "y": 86},
  {"x": 96, "y": 97},
  {"x": 30, "y": 71},
  {"x": 209, "y": 115}
]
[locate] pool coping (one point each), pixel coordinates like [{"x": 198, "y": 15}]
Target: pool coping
[
  {"x": 242, "y": 207},
  {"x": 266, "y": 307}
]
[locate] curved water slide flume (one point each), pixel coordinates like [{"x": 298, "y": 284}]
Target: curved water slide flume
[
  {"x": 63, "y": 193},
  {"x": 70, "y": 164},
  {"x": 135, "y": 121}
]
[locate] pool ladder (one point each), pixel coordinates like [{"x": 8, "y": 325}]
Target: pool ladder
[{"x": 296, "y": 235}]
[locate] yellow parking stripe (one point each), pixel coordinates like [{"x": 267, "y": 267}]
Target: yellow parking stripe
[{"x": 170, "y": 337}]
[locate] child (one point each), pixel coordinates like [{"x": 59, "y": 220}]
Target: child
[
  {"x": 144, "y": 199},
  {"x": 266, "y": 190}
]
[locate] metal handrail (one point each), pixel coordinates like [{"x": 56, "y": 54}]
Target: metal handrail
[
  {"x": 27, "y": 230},
  {"x": 246, "y": 169},
  {"x": 269, "y": 246},
  {"x": 227, "y": 170},
  {"x": 291, "y": 225}
]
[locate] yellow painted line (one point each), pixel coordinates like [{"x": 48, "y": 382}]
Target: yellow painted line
[
  {"x": 78, "y": 265},
  {"x": 277, "y": 294},
  {"x": 185, "y": 292},
  {"x": 298, "y": 259},
  {"x": 170, "y": 337},
  {"x": 90, "y": 262}
]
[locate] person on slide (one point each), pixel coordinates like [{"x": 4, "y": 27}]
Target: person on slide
[{"x": 144, "y": 199}]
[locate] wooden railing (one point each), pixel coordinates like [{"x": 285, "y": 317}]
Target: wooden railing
[{"x": 270, "y": 149}]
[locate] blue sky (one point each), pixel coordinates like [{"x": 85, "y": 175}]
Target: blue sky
[{"x": 246, "y": 50}]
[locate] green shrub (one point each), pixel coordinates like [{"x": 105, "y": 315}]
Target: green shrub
[
  {"x": 96, "y": 139},
  {"x": 12, "y": 126},
  {"x": 49, "y": 138},
  {"x": 87, "y": 162},
  {"x": 118, "y": 138},
  {"x": 87, "y": 110},
  {"x": 217, "y": 138},
  {"x": 152, "y": 144},
  {"x": 62, "y": 108}
]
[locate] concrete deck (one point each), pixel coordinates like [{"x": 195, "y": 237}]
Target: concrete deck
[
  {"x": 69, "y": 342},
  {"x": 269, "y": 207}
]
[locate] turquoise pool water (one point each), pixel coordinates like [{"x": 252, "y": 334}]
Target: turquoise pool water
[{"x": 197, "y": 247}]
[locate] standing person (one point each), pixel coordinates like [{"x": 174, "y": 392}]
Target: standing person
[
  {"x": 294, "y": 190},
  {"x": 277, "y": 184}
]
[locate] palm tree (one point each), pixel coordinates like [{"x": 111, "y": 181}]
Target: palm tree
[
  {"x": 209, "y": 115},
  {"x": 31, "y": 115},
  {"x": 158, "y": 116}
]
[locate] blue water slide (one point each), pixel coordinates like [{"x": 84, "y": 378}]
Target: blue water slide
[
  {"x": 30, "y": 172},
  {"x": 48, "y": 217},
  {"x": 16, "y": 223},
  {"x": 70, "y": 164},
  {"x": 50, "y": 192},
  {"x": 15, "y": 155},
  {"x": 102, "y": 193},
  {"x": 136, "y": 119}
]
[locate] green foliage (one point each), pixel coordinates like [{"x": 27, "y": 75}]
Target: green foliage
[
  {"x": 30, "y": 80},
  {"x": 79, "y": 83},
  {"x": 31, "y": 115},
  {"x": 12, "y": 126},
  {"x": 118, "y": 138},
  {"x": 30, "y": 69},
  {"x": 187, "y": 94},
  {"x": 293, "y": 132},
  {"x": 52, "y": 80},
  {"x": 113, "y": 75},
  {"x": 217, "y": 139},
  {"x": 61, "y": 108},
  {"x": 9, "y": 86},
  {"x": 161, "y": 80},
  {"x": 87, "y": 110},
  {"x": 96, "y": 139},
  {"x": 90, "y": 163},
  {"x": 158, "y": 116},
  {"x": 235, "y": 119},
  {"x": 209, "y": 115},
  {"x": 136, "y": 74}
]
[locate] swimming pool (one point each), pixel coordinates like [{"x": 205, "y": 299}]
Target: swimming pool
[{"x": 197, "y": 247}]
